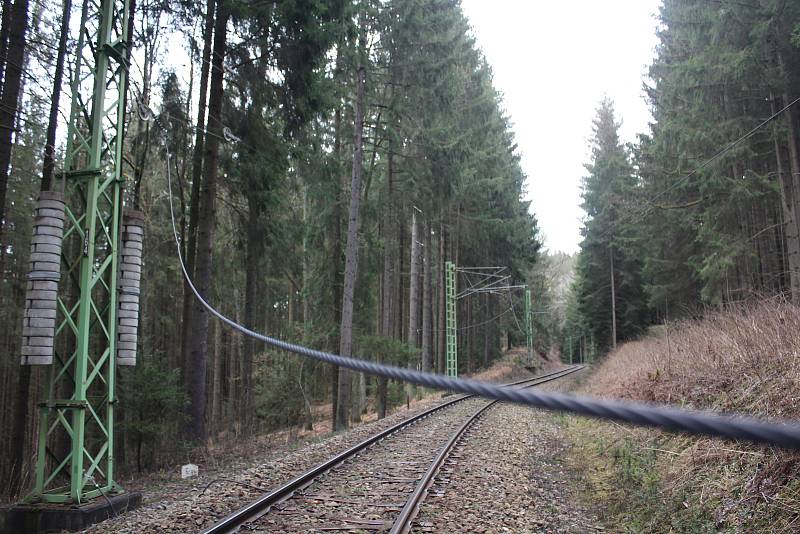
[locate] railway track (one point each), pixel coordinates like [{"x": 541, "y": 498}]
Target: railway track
[{"x": 381, "y": 490}]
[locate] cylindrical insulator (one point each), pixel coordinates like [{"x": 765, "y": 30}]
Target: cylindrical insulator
[
  {"x": 38, "y": 327},
  {"x": 130, "y": 272}
]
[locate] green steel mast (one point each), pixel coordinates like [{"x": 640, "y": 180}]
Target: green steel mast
[
  {"x": 529, "y": 325},
  {"x": 75, "y": 460},
  {"x": 451, "y": 342}
]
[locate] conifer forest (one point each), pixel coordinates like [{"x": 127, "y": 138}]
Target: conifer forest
[{"x": 323, "y": 161}]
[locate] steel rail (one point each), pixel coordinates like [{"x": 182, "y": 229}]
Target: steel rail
[
  {"x": 262, "y": 505},
  {"x": 404, "y": 520}
]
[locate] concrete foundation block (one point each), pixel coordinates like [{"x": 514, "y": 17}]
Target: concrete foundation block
[{"x": 35, "y": 518}]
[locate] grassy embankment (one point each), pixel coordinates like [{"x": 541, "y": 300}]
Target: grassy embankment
[{"x": 746, "y": 360}]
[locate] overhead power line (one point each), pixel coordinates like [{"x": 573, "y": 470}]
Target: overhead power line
[{"x": 785, "y": 435}]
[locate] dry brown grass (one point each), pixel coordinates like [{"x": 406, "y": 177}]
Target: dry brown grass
[
  {"x": 743, "y": 360},
  {"x": 739, "y": 360}
]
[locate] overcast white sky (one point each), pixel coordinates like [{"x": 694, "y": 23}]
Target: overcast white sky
[{"x": 553, "y": 62}]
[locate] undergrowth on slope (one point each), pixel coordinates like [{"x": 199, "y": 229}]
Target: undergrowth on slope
[{"x": 743, "y": 360}]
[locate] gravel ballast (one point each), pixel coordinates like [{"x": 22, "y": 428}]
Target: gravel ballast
[
  {"x": 367, "y": 491},
  {"x": 186, "y": 505},
  {"x": 174, "y": 505},
  {"x": 507, "y": 475}
]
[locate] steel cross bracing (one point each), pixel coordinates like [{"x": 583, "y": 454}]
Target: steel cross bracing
[
  {"x": 478, "y": 280},
  {"x": 75, "y": 459},
  {"x": 451, "y": 342},
  {"x": 529, "y": 325}
]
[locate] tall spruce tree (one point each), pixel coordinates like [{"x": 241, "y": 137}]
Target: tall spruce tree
[{"x": 610, "y": 297}]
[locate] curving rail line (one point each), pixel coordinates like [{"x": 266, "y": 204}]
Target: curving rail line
[
  {"x": 404, "y": 520},
  {"x": 262, "y": 506}
]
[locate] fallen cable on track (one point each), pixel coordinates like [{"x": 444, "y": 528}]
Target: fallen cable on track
[{"x": 786, "y": 434}]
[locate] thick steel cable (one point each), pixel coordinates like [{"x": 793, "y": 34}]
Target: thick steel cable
[{"x": 786, "y": 434}]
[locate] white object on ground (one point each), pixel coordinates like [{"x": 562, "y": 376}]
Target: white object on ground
[{"x": 189, "y": 470}]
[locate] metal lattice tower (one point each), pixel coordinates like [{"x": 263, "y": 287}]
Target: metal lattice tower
[
  {"x": 451, "y": 366},
  {"x": 529, "y": 325},
  {"x": 75, "y": 460}
]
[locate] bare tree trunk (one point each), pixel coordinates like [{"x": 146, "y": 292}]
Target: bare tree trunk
[
  {"x": 308, "y": 423},
  {"x": 5, "y": 29},
  {"x": 360, "y": 397},
  {"x": 306, "y": 269},
  {"x": 254, "y": 248},
  {"x": 216, "y": 387},
  {"x": 793, "y": 142},
  {"x": 351, "y": 252},
  {"x": 10, "y": 97},
  {"x": 613, "y": 300},
  {"x": 52, "y": 123},
  {"x": 235, "y": 355},
  {"x": 8, "y": 114},
  {"x": 402, "y": 302},
  {"x": 197, "y": 170},
  {"x": 794, "y": 168},
  {"x": 455, "y": 241},
  {"x": 791, "y": 229},
  {"x": 198, "y": 343},
  {"x": 20, "y": 420},
  {"x": 388, "y": 276},
  {"x": 336, "y": 250},
  {"x": 289, "y": 305},
  {"x": 426, "y": 302}
]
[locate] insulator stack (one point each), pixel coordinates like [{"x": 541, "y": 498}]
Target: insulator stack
[
  {"x": 130, "y": 273},
  {"x": 38, "y": 327}
]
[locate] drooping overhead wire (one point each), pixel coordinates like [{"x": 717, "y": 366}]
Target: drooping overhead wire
[
  {"x": 476, "y": 325},
  {"x": 727, "y": 148},
  {"x": 785, "y": 435},
  {"x": 487, "y": 321},
  {"x": 514, "y": 311}
]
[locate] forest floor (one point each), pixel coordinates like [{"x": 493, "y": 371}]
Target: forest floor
[{"x": 233, "y": 476}]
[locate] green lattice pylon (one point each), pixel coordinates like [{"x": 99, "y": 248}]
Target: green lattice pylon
[
  {"x": 451, "y": 342},
  {"x": 529, "y": 325},
  {"x": 75, "y": 459}
]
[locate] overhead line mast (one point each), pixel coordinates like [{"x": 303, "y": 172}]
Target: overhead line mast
[
  {"x": 489, "y": 280},
  {"x": 95, "y": 307}
]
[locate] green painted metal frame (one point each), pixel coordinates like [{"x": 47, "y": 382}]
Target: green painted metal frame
[
  {"x": 529, "y": 324},
  {"x": 76, "y": 425},
  {"x": 451, "y": 341}
]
